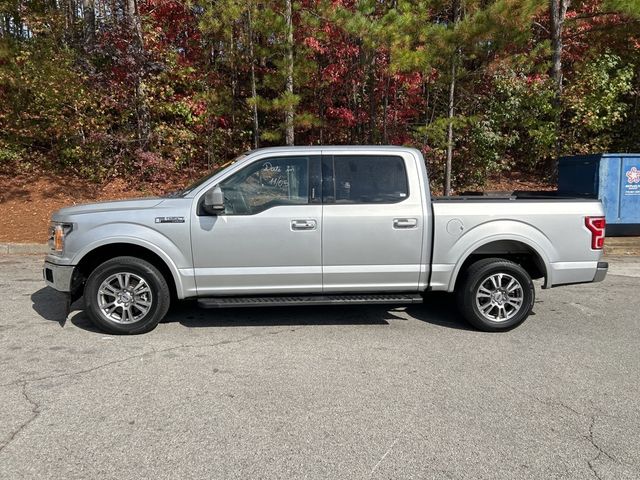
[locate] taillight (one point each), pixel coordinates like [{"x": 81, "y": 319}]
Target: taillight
[{"x": 596, "y": 226}]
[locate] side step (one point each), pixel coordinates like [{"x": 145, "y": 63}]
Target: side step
[{"x": 275, "y": 301}]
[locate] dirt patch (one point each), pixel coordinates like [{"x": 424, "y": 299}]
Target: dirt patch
[
  {"x": 513, "y": 181},
  {"x": 27, "y": 202}
]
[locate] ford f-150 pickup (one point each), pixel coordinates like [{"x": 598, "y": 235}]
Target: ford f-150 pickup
[{"x": 317, "y": 226}]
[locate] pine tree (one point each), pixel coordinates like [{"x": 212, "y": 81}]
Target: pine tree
[{"x": 444, "y": 40}]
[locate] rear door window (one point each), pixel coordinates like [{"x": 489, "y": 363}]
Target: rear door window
[{"x": 349, "y": 179}]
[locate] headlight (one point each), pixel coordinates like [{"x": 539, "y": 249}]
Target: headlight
[{"x": 57, "y": 234}]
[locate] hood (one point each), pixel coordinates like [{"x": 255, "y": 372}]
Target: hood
[{"x": 118, "y": 205}]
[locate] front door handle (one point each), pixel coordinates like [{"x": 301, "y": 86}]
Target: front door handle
[
  {"x": 304, "y": 224},
  {"x": 405, "y": 222}
]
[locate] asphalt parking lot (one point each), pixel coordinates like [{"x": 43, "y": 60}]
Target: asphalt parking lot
[{"x": 335, "y": 392}]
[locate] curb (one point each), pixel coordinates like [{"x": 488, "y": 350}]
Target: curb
[{"x": 23, "y": 248}]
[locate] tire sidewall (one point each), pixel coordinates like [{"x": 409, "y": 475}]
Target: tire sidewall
[
  {"x": 157, "y": 284},
  {"x": 480, "y": 277}
]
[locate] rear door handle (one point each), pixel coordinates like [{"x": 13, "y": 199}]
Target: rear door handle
[
  {"x": 405, "y": 222},
  {"x": 304, "y": 224}
]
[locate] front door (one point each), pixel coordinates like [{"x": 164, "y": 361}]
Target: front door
[
  {"x": 372, "y": 231},
  {"x": 268, "y": 240}
]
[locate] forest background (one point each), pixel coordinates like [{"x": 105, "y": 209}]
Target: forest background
[{"x": 154, "y": 93}]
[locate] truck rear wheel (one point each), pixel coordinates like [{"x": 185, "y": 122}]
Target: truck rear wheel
[
  {"x": 126, "y": 295},
  {"x": 495, "y": 294}
]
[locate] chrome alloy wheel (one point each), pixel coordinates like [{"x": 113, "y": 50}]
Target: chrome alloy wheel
[
  {"x": 499, "y": 297},
  {"x": 124, "y": 297}
]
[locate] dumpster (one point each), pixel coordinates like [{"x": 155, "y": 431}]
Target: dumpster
[{"x": 614, "y": 178}]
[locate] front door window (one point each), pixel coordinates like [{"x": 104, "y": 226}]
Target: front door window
[{"x": 267, "y": 183}]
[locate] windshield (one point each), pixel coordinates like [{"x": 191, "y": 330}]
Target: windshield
[{"x": 197, "y": 183}]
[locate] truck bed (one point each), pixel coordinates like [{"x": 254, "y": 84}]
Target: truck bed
[{"x": 552, "y": 226}]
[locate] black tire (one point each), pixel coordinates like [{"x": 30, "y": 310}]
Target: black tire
[
  {"x": 159, "y": 297},
  {"x": 479, "y": 275}
]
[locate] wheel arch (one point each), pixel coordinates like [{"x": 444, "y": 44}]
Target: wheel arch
[
  {"x": 97, "y": 254},
  {"x": 520, "y": 250}
]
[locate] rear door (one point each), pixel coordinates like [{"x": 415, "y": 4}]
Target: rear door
[{"x": 372, "y": 231}]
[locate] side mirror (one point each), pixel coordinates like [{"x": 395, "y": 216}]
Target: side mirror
[{"x": 214, "y": 201}]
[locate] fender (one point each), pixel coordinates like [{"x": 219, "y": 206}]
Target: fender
[
  {"x": 142, "y": 236},
  {"x": 485, "y": 233}
]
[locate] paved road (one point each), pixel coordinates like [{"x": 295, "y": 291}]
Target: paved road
[{"x": 358, "y": 392}]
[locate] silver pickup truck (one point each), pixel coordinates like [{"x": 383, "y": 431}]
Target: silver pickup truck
[{"x": 318, "y": 226}]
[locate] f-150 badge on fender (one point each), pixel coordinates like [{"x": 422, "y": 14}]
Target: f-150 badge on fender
[{"x": 169, "y": 219}]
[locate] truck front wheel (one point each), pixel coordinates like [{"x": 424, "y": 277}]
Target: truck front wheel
[
  {"x": 495, "y": 294},
  {"x": 126, "y": 295}
]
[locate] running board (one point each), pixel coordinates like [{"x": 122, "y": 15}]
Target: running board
[{"x": 231, "y": 302}]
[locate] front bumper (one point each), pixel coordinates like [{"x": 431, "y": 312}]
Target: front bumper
[
  {"x": 58, "y": 276},
  {"x": 601, "y": 271}
]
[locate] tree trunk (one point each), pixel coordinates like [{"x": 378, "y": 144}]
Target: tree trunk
[
  {"x": 373, "y": 105},
  {"x": 288, "y": 115},
  {"x": 451, "y": 113},
  {"x": 254, "y": 95},
  {"x": 233, "y": 43},
  {"x": 89, "y": 11},
  {"x": 114, "y": 8},
  {"x": 322, "y": 120},
  {"x": 385, "y": 109},
  {"x": 557, "y": 11},
  {"x": 456, "y": 7},
  {"x": 142, "y": 109}
]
